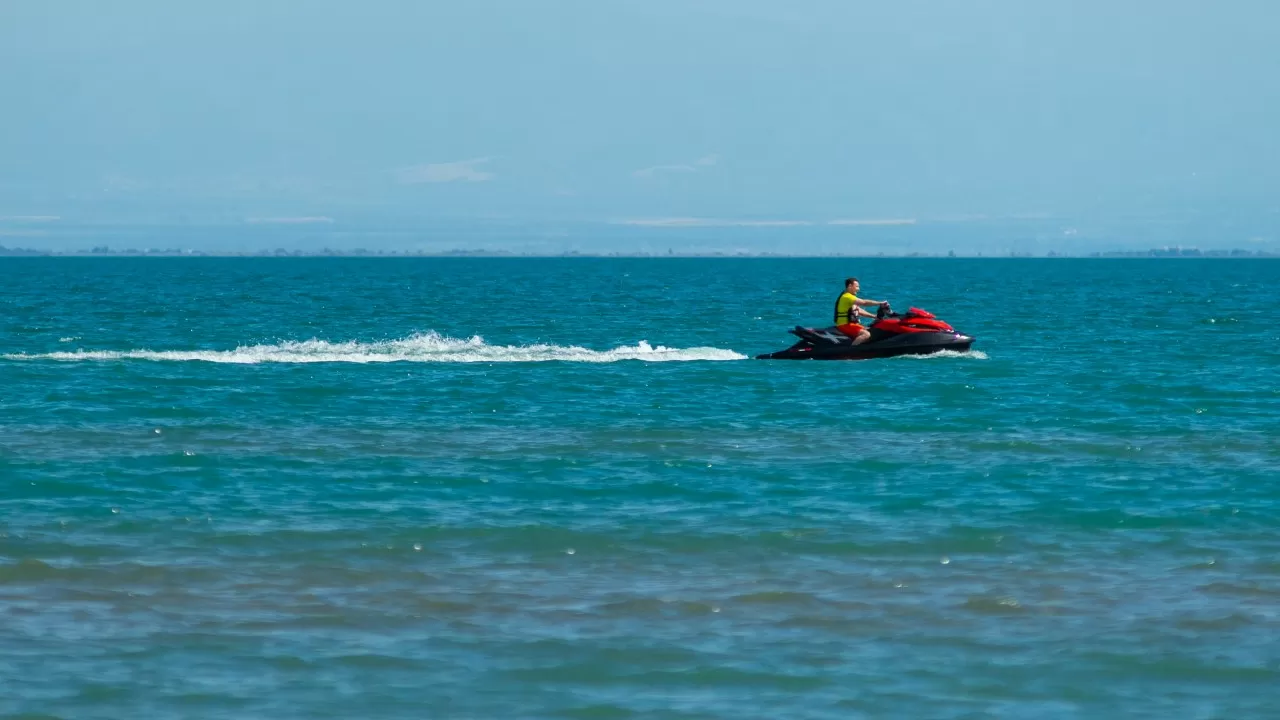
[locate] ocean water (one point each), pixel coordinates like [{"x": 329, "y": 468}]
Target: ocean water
[{"x": 559, "y": 488}]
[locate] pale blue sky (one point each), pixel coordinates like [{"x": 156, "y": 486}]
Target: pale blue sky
[{"x": 647, "y": 108}]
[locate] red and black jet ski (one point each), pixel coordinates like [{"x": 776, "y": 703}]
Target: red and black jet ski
[{"x": 915, "y": 332}]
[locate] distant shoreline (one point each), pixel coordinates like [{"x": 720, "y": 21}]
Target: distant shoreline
[{"x": 497, "y": 254}]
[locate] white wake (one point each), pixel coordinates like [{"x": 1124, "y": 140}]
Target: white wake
[
  {"x": 427, "y": 347},
  {"x": 967, "y": 354}
]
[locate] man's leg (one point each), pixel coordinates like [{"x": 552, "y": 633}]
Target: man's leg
[{"x": 862, "y": 337}]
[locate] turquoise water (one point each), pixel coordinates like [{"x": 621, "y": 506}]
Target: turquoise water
[{"x": 557, "y": 488}]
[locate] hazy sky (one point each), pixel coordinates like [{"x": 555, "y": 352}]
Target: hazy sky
[{"x": 645, "y": 108}]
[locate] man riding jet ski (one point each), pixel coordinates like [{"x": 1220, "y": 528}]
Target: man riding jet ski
[{"x": 916, "y": 332}]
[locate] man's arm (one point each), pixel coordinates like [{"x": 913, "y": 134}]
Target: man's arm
[{"x": 868, "y": 303}]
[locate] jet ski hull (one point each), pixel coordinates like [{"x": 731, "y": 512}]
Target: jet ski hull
[{"x": 830, "y": 345}]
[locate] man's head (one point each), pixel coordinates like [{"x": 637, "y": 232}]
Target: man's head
[{"x": 851, "y": 285}]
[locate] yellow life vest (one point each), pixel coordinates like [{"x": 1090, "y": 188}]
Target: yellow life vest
[{"x": 846, "y": 309}]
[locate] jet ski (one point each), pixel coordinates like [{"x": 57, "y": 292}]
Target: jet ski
[{"x": 915, "y": 332}]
